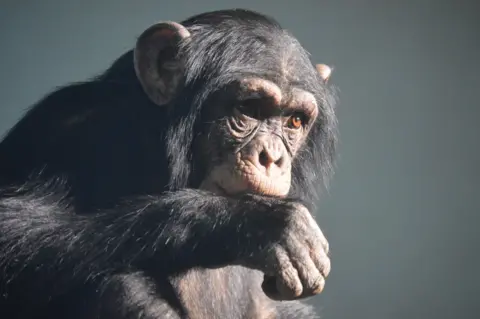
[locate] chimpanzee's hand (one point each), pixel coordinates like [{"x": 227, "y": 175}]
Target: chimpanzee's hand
[{"x": 295, "y": 261}]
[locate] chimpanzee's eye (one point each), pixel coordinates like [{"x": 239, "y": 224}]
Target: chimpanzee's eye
[
  {"x": 296, "y": 121},
  {"x": 250, "y": 107}
]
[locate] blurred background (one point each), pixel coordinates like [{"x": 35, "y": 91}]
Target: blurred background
[{"x": 403, "y": 211}]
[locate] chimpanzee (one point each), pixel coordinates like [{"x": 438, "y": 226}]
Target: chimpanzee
[{"x": 177, "y": 184}]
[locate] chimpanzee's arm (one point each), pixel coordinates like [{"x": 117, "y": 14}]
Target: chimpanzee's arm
[{"x": 169, "y": 233}]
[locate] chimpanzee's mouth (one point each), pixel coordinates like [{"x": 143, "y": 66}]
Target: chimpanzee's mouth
[
  {"x": 246, "y": 183},
  {"x": 224, "y": 181}
]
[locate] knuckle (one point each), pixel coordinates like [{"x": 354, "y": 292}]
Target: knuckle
[
  {"x": 315, "y": 240},
  {"x": 322, "y": 241},
  {"x": 326, "y": 266},
  {"x": 319, "y": 238},
  {"x": 326, "y": 246},
  {"x": 282, "y": 260},
  {"x": 323, "y": 247},
  {"x": 322, "y": 261}
]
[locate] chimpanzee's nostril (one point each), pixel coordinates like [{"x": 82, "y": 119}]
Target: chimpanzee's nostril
[
  {"x": 279, "y": 162},
  {"x": 264, "y": 159}
]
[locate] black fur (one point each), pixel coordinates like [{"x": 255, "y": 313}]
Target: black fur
[{"x": 99, "y": 210}]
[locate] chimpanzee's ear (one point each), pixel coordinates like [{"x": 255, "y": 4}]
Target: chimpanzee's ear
[
  {"x": 158, "y": 65},
  {"x": 325, "y": 71}
]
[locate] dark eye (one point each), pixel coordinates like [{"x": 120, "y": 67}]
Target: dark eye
[
  {"x": 250, "y": 107},
  {"x": 296, "y": 121}
]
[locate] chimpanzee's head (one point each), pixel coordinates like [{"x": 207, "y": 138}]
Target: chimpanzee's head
[{"x": 263, "y": 118}]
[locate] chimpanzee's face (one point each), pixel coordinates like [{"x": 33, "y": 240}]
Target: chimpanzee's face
[
  {"x": 253, "y": 127},
  {"x": 254, "y": 130}
]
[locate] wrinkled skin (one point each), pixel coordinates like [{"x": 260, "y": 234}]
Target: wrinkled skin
[
  {"x": 297, "y": 265},
  {"x": 264, "y": 132}
]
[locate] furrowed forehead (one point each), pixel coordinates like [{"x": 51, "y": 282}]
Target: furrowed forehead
[{"x": 290, "y": 96}]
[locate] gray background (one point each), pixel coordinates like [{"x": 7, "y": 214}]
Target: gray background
[{"x": 402, "y": 215}]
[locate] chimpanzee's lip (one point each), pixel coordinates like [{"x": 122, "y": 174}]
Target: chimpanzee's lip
[{"x": 249, "y": 187}]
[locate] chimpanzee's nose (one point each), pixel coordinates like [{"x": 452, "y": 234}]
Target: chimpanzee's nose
[
  {"x": 267, "y": 158},
  {"x": 271, "y": 157}
]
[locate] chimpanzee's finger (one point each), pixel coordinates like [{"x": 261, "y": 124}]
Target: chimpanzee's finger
[
  {"x": 321, "y": 261},
  {"x": 287, "y": 282},
  {"x": 317, "y": 237},
  {"x": 308, "y": 272}
]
